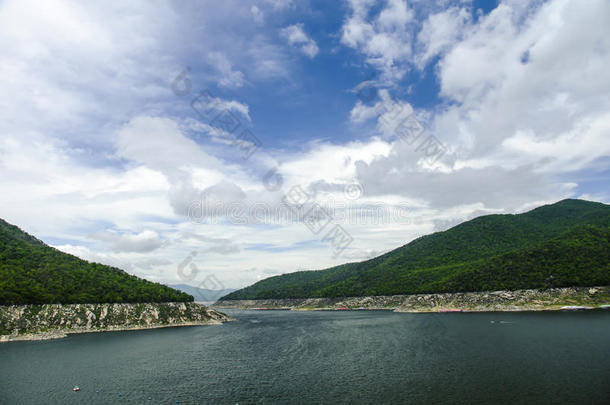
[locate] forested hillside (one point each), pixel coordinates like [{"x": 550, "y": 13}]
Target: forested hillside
[
  {"x": 32, "y": 272},
  {"x": 558, "y": 245}
]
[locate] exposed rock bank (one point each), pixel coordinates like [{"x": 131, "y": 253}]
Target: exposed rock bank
[
  {"x": 520, "y": 300},
  {"x": 376, "y": 302},
  {"x": 37, "y": 322}
]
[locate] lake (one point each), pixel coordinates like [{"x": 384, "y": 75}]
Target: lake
[{"x": 324, "y": 357}]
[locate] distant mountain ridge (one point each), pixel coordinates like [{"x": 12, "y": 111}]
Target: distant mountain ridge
[
  {"x": 202, "y": 294},
  {"x": 32, "y": 272},
  {"x": 558, "y": 245}
]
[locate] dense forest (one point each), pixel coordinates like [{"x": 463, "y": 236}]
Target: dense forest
[
  {"x": 558, "y": 245},
  {"x": 32, "y": 272}
]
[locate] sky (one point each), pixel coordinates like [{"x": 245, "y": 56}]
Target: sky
[{"x": 219, "y": 143}]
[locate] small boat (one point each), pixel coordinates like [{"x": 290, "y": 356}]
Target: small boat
[
  {"x": 75, "y": 388},
  {"x": 342, "y": 309}
]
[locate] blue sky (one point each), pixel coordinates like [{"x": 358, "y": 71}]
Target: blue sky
[{"x": 101, "y": 157}]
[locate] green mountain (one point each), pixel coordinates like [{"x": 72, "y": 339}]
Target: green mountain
[
  {"x": 32, "y": 272},
  {"x": 558, "y": 245}
]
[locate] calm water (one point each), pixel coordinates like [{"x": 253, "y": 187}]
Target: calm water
[{"x": 324, "y": 357}]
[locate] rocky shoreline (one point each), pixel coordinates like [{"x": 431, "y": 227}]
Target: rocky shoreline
[
  {"x": 52, "y": 321},
  {"x": 519, "y": 300}
]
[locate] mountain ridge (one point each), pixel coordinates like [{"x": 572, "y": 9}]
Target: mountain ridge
[
  {"x": 412, "y": 267},
  {"x": 201, "y": 294},
  {"x": 32, "y": 272}
]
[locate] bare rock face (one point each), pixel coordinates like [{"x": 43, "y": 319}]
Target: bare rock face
[
  {"x": 32, "y": 322},
  {"x": 520, "y": 300},
  {"x": 369, "y": 302}
]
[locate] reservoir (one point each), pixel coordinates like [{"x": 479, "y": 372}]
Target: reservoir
[{"x": 331, "y": 357}]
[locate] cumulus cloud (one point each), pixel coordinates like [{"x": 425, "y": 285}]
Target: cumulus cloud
[
  {"x": 58, "y": 59},
  {"x": 102, "y": 160},
  {"x": 385, "y": 39},
  {"x": 227, "y": 76},
  {"x": 145, "y": 241},
  {"x": 389, "y": 112},
  {"x": 160, "y": 144},
  {"x": 207, "y": 244},
  {"x": 494, "y": 187},
  {"x": 280, "y": 4},
  {"x": 517, "y": 114},
  {"x": 505, "y": 102},
  {"x": 440, "y": 32},
  {"x": 296, "y": 36}
]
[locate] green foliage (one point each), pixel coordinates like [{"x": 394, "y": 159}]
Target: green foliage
[
  {"x": 559, "y": 245},
  {"x": 34, "y": 273}
]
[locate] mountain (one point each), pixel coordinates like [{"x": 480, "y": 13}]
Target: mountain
[
  {"x": 202, "y": 294},
  {"x": 32, "y": 272},
  {"x": 558, "y": 245}
]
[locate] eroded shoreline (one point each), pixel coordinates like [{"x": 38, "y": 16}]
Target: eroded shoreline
[
  {"x": 54, "y": 321},
  {"x": 485, "y": 301}
]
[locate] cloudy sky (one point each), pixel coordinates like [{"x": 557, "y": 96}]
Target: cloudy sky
[{"x": 219, "y": 143}]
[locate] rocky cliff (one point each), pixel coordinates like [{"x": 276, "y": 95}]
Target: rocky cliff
[
  {"x": 372, "y": 302},
  {"x": 520, "y": 300},
  {"x": 33, "y": 322}
]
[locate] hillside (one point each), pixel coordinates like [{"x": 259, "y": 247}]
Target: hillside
[
  {"x": 32, "y": 272},
  {"x": 558, "y": 245}
]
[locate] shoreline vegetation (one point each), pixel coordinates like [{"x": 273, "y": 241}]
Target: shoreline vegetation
[
  {"x": 53, "y": 321},
  {"x": 551, "y": 299}
]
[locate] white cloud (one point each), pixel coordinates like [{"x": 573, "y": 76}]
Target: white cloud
[
  {"x": 159, "y": 143},
  {"x": 97, "y": 144},
  {"x": 395, "y": 15},
  {"x": 440, "y": 32},
  {"x": 142, "y": 242},
  {"x": 58, "y": 59},
  {"x": 362, "y": 112},
  {"x": 330, "y": 163},
  {"x": 280, "y": 4},
  {"x": 228, "y": 76},
  {"x": 257, "y": 15},
  {"x": 569, "y": 151},
  {"x": 526, "y": 87},
  {"x": 295, "y": 36},
  {"x": 389, "y": 112},
  {"x": 51, "y": 192},
  {"x": 385, "y": 40},
  {"x": 207, "y": 245},
  {"x": 536, "y": 71}
]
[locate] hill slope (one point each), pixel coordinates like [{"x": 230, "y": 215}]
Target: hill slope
[
  {"x": 563, "y": 244},
  {"x": 32, "y": 272}
]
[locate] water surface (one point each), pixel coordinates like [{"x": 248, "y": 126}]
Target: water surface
[{"x": 324, "y": 357}]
